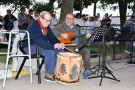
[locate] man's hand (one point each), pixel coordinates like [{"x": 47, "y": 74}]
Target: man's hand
[
  {"x": 59, "y": 46},
  {"x": 63, "y": 45},
  {"x": 88, "y": 35},
  {"x": 64, "y": 35}
]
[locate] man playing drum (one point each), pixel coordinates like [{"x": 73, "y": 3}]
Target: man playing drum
[
  {"x": 68, "y": 26},
  {"x": 48, "y": 44}
]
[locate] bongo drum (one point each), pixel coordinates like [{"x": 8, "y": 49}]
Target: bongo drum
[{"x": 68, "y": 67}]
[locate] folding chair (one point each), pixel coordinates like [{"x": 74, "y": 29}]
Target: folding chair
[{"x": 37, "y": 55}]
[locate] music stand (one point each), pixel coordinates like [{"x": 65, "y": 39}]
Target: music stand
[
  {"x": 100, "y": 32},
  {"x": 103, "y": 33}
]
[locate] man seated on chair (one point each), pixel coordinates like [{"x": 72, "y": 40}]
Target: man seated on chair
[
  {"x": 68, "y": 26},
  {"x": 48, "y": 44}
]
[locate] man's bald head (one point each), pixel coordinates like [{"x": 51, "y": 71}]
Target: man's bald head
[{"x": 70, "y": 14}]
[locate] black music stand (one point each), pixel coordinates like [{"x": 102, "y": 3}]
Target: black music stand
[{"x": 101, "y": 32}]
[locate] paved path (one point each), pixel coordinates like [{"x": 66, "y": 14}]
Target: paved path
[{"x": 121, "y": 70}]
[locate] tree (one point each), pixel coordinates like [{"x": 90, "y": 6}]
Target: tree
[
  {"x": 51, "y": 2},
  {"x": 94, "y": 11},
  {"x": 132, "y": 6},
  {"x": 66, "y": 7},
  {"x": 79, "y": 5},
  {"x": 16, "y": 3},
  {"x": 122, "y": 8},
  {"x": 43, "y": 7}
]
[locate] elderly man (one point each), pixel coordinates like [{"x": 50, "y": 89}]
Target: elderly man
[
  {"x": 68, "y": 25},
  {"x": 48, "y": 44}
]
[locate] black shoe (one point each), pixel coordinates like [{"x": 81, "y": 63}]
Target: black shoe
[{"x": 49, "y": 79}]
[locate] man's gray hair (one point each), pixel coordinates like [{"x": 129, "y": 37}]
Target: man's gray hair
[{"x": 43, "y": 13}]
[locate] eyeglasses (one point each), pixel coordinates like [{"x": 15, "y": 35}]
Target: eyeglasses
[
  {"x": 47, "y": 20},
  {"x": 69, "y": 18}
]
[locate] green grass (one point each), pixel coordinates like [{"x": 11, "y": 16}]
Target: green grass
[
  {"x": 109, "y": 49},
  {"x": 3, "y": 57}
]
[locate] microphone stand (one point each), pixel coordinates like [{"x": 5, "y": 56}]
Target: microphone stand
[{"x": 88, "y": 42}]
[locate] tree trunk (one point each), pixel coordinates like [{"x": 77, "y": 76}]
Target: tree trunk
[
  {"x": 122, "y": 10},
  {"x": 94, "y": 11},
  {"x": 81, "y": 6},
  {"x": 51, "y": 2},
  {"x": 66, "y": 7}
]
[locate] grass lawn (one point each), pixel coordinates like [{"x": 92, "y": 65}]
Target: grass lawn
[
  {"x": 109, "y": 49},
  {"x": 3, "y": 57}
]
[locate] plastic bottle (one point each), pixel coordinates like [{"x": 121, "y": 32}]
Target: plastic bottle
[{"x": 85, "y": 75}]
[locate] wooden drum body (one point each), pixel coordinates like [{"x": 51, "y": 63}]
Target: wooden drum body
[{"x": 68, "y": 67}]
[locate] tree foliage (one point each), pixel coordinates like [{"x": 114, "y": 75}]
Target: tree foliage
[
  {"x": 132, "y": 6},
  {"x": 43, "y": 7},
  {"x": 51, "y": 2},
  {"x": 105, "y": 3},
  {"x": 76, "y": 4},
  {"x": 19, "y": 2},
  {"x": 16, "y": 3},
  {"x": 85, "y": 4}
]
